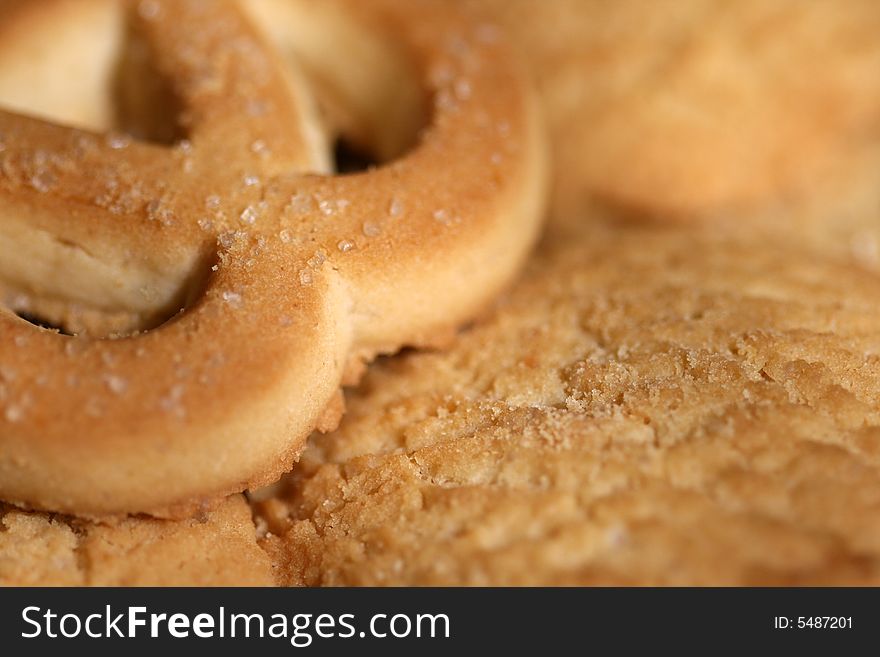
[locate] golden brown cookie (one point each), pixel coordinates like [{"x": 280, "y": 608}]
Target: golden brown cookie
[
  {"x": 218, "y": 548},
  {"x": 254, "y": 280},
  {"x": 684, "y": 108},
  {"x": 648, "y": 406}
]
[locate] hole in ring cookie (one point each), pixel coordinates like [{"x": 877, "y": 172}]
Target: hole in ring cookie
[
  {"x": 91, "y": 71},
  {"x": 369, "y": 91},
  {"x": 75, "y": 81},
  {"x": 349, "y": 159},
  {"x": 77, "y": 317},
  {"x": 42, "y": 323}
]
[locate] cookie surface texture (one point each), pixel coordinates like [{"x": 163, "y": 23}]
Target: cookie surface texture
[
  {"x": 216, "y": 549},
  {"x": 646, "y": 407}
]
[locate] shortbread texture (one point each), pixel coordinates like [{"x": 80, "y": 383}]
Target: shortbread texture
[
  {"x": 647, "y": 406},
  {"x": 217, "y": 548}
]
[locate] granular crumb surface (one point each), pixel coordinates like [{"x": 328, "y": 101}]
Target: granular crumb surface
[
  {"x": 647, "y": 406},
  {"x": 217, "y": 549}
]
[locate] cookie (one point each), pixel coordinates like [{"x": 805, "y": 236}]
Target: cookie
[
  {"x": 252, "y": 282},
  {"x": 679, "y": 110},
  {"x": 647, "y": 406},
  {"x": 218, "y": 548}
]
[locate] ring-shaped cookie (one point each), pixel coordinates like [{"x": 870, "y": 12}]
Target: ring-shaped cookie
[{"x": 290, "y": 276}]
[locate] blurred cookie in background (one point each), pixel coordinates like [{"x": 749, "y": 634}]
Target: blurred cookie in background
[{"x": 686, "y": 108}]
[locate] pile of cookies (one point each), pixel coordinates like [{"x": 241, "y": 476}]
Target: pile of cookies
[{"x": 682, "y": 386}]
